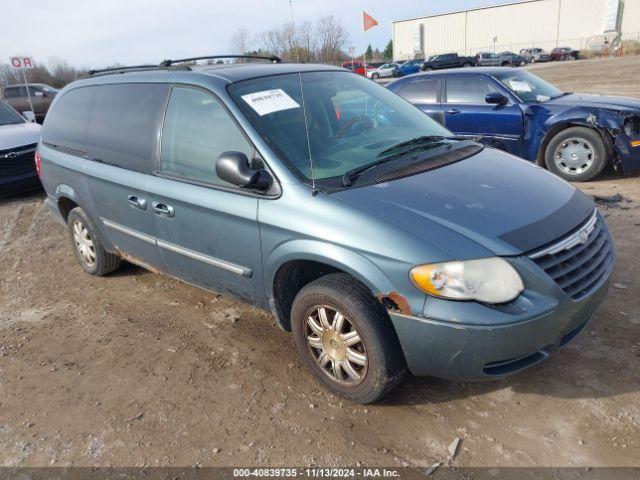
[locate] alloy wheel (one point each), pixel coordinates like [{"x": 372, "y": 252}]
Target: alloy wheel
[{"x": 336, "y": 345}]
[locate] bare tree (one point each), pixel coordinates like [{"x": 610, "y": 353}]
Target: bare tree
[
  {"x": 62, "y": 73},
  {"x": 57, "y": 75},
  {"x": 331, "y": 37},
  {"x": 271, "y": 41},
  {"x": 240, "y": 41}
]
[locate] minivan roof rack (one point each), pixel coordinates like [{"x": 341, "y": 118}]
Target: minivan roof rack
[
  {"x": 168, "y": 62},
  {"x": 126, "y": 69}
]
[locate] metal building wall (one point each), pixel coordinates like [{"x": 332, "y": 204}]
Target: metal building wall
[
  {"x": 533, "y": 23},
  {"x": 630, "y": 17}
]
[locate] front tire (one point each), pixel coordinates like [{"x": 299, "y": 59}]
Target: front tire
[
  {"x": 375, "y": 76},
  {"x": 576, "y": 154},
  {"x": 87, "y": 247},
  {"x": 346, "y": 339}
]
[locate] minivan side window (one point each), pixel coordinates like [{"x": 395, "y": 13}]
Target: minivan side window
[
  {"x": 197, "y": 129},
  {"x": 66, "y": 123},
  {"x": 421, "y": 90},
  {"x": 124, "y": 123}
]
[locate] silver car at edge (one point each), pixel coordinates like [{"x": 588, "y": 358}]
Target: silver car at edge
[
  {"x": 383, "y": 243},
  {"x": 18, "y": 141}
]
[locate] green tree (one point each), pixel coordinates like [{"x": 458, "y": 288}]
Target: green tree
[
  {"x": 369, "y": 52},
  {"x": 388, "y": 51}
]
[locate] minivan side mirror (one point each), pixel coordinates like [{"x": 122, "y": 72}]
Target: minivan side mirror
[
  {"x": 496, "y": 98},
  {"x": 233, "y": 167}
]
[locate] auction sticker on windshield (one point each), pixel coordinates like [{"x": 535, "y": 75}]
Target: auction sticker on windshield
[
  {"x": 269, "y": 101},
  {"x": 518, "y": 86}
]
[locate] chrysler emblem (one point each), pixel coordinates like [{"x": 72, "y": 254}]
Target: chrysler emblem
[
  {"x": 583, "y": 236},
  {"x": 10, "y": 155}
]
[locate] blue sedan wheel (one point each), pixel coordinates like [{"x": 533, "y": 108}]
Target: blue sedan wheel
[{"x": 576, "y": 154}]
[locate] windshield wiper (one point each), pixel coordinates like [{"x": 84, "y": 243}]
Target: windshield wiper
[
  {"x": 401, "y": 149},
  {"x": 350, "y": 175},
  {"x": 411, "y": 143}
]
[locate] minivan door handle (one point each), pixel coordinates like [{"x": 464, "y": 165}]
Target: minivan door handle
[
  {"x": 453, "y": 111},
  {"x": 163, "y": 210},
  {"x": 137, "y": 202}
]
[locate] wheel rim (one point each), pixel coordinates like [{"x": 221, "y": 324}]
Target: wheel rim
[
  {"x": 574, "y": 156},
  {"x": 84, "y": 243},
  {"x": 336, "y": 345}
]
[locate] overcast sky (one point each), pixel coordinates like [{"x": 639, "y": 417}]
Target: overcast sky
[{"x": 94, "y": 33}]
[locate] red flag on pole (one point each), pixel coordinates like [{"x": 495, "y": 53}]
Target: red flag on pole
[{"x": 368, "y": 21}]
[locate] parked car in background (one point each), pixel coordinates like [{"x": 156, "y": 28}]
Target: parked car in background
[
  {"x": 447, "y": 60},
  {"x": 561, "y": 54},
  {"x": 486, "y": 59},
  {"x": 41, "y": 97},
  {"x": 510, "y": 59},
  {"x": 573, "y": 135},
  {"x": 391, "y": 246},
  {"x": 533, "y": 55},
  {"x": 355, "y": 67},
  {"x": 18, "y": 141},
  {"x": 385, "y": 70},
  {"x": 408, "y": 68}
]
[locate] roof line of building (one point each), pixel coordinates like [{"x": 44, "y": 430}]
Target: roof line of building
[{"x": 486, "y": 7}]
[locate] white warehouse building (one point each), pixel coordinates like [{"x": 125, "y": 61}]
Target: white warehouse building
[{"x": 579, "y": 24}]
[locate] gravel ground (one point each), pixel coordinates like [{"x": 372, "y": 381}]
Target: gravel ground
[{"x": 139, "y": 369}]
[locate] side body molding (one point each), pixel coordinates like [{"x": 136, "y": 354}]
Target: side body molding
[{"x": 216, "y": 262}]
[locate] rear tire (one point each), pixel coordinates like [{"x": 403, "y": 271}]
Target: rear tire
[
  {"x": 362, "y": 371},
  {"x": 87, "y": 247},
  {"x": 576, "y": 154}
]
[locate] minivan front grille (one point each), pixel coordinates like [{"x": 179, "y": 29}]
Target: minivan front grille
[
  {"x": 17, "y": 161},
  {"x": 579, "y": 261}
]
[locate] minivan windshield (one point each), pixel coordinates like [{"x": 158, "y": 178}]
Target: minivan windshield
[
  {"x": 8, "y": 116},
  {"x": 527, "y": 86},
  {"x": 351, "y": 121}
]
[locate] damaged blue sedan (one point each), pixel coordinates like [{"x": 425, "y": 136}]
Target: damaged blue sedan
[{"x": 573, "y": 135}]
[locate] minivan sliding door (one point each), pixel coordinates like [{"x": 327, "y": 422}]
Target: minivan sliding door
[{"x": 122, "y": 138}]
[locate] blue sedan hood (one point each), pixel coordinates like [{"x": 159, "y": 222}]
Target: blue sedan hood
[
  {"x": 597, "y": 101},
  {"x": 501, "y": 202}
]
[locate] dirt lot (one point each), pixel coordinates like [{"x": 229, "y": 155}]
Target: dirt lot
[{"x": 139, "y": 369}]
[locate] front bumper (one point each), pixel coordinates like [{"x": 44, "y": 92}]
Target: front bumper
[
  {"x": 628, "y": 155},
  {"x": 19, "y": 183},
  {"x": 440, "y": 345}
]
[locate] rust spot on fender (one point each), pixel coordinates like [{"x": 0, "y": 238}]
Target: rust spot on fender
[{"x": 394, "y": 302}]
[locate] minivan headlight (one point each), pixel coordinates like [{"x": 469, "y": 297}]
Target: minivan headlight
[{"x": 487, "y": 280}]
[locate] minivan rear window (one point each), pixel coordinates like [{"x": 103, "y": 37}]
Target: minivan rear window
[
  {"x": 124, "y": 123},
  {"x": 66, "y": 123},
  {"x": 114, "y": 124}
]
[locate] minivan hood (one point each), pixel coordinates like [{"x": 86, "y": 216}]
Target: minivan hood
[
  {"x": 501, "y": 202},
  {"x": 19, "y": 134}
]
